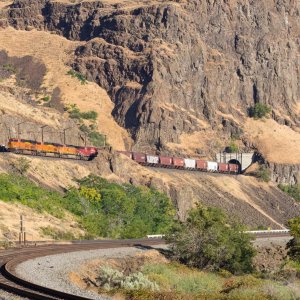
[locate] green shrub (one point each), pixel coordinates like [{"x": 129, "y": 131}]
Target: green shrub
[
  {"x": 46, "y": 98},
  {"x": 89, "y": 115},
  {"x": 15, "y": 188},
  {"x": 111, "y": 279},
  {"x": 102, "y": 208},
  {"x": 209, "y": 239},
  {"x": 292, "y": 190},
  {"x": 259, "y": 111},
  {"x": 122, "y": 211},
  {"x": 97, "y": 139},
  {"x": 232, "y": 148},
  {"x": 294, "y": 244},
  {"x": 263, "y": 173},
  {"x": 77, "y": 75},
  {"x": 75, "y": 113}
]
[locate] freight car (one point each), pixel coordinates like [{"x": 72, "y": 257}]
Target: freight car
[
  {"x": 20, "y": 146},
  {"x": 182, "y": 163}
]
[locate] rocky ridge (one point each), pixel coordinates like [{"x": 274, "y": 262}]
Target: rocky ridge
[{"x": 167, "y": 65}]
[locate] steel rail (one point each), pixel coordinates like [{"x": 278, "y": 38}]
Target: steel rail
[{"x": 9, "y": 260}]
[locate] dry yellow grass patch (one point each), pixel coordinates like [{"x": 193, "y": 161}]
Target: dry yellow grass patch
[
  {"x": 277, "y": 143},
  {"x": 56, "y": 52},
  {"x": 10, "y": 222}
]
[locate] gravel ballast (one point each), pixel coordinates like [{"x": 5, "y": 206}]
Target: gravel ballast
[{"x": 53, "y": 271}]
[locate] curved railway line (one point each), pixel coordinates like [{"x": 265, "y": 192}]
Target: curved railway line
[{"x": 9, "y": 259}]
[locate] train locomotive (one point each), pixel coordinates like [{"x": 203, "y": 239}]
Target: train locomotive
[
  {"x": 29, "y": 147},
  {"x": 182, "y": 163}
]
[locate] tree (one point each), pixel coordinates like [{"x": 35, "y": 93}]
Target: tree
[
  {"x": 208, "y": 239},
  {"x": 294, "y": 244},
  {"x": 259, "y": 111}
]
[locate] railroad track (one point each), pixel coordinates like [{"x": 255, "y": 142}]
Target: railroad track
[
  {"x": 11, "y": 282},
  {"x": 10, "y": 259}
]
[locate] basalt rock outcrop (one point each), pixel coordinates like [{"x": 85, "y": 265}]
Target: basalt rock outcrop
[
  {"x": 285, "y": 174},
  {"x": 169, "y": 66}
]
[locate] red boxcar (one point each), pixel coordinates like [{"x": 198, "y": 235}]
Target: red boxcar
[
  {"x": 139, "y": 157},
  {"x": 166, "y": 160},
  {"x": 223, "y": 167},
  {"x": 201, "y": 164},
  {"x": 233, "y": 168},
  {"x": 126, "y": 153},
  {"x": 178, "y": 162}
]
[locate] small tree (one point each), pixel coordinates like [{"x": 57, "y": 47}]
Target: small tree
[
  {"x": 259, "y": 111},
  {"x": 294, "y": 244},
  {"x": 209, "y": 239}
]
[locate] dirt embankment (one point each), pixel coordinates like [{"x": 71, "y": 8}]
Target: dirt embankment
[{"x": 253, "y": 202}]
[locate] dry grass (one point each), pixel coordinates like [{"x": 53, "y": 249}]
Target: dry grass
[
  {"x": 10, "y": 222},
  {"x": 276, "y": 142}
]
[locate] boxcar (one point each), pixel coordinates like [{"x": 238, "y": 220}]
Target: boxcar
[
  {"x": 212, "y": 166},
  {"x": 178, "y": 162},
  {"x": 189, "y": 163},
  {"x": 152, "y": 159},
  {"x": 233, "y": 168},
  {"x": 223, "y": 168},
  {"x": 201, "y": 164},
  {"x": 139, "y": 157},
  {"x": 166, "y": 160}
]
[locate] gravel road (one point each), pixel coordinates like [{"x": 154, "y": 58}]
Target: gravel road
[{"x": 52, "y": 271}]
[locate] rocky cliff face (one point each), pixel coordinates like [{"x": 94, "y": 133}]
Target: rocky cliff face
[
  {"x": 170, "y": 67},
  {"x": 285, "y": 174}
]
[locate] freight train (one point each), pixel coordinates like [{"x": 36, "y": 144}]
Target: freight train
[
  {"x": 182, "y": 163},
  {"x": 20, "y": 146},
  {"x": 30, "y": 147}
]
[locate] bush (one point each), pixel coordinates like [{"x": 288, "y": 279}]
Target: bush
[
  {"x": 263, "y": 173},
  {"x": 101, "y": 208},
  {"x": 15, "y": 188},
  {"x": 97, "y": 139},
  {"x": 294, "y": 244},
  {"x": 89, "y": 115},
  {"x": 111, "y": 279},
  {"x": 232, "y": 148},
  {"x": 209, "y": 239},
  {"x": 77, "y": 75},
  {"x": 259, "y": 111},
  {"x": 119, "y": 211},
  {"x": 292, "y": 190},
  {"x": 75, "y": 113}
]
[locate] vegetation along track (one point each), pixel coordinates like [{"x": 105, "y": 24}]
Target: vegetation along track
[{"x": 9, "y": 260}]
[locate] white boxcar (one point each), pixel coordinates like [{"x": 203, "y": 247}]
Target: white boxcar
[
  {"x": 190, "y": 163},
  {"x": 212, "y": 166},
  {"x": 151, "y": 159}
]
